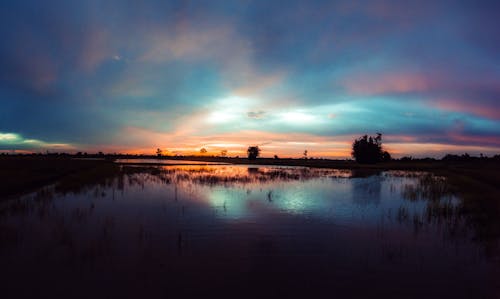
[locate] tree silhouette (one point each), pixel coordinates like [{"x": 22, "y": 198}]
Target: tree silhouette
[
  {"x": 368, "y": 150},
  {"x": 223, "y": 153},
  {"x": 386, "y": 157},
  {"x": 159, "y": 152},
  {"x": 253, "y": 152},
  {"x": 203, "y": 151}
]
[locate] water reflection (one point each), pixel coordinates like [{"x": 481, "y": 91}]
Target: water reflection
[
  {"x": 165, "y": 162},
  {"x": 367, "y": 191},
  {"x": 297, "y": 231}
]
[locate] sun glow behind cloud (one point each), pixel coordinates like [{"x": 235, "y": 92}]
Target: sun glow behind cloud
[
  {"x": 313, "y": 77},
  {"x": 297, "y": 118},
  {"x": 227, "y": 110}
]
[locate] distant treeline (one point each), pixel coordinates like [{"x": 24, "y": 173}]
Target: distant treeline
[
  {"x": 452, "y": 158},
  {"x": 447, "y": 158}
]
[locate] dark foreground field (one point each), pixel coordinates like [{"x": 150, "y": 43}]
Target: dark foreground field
[{"x": 23, "y": 174}]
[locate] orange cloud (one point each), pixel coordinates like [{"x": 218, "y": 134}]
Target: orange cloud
[{"x": 282, "y": 144}]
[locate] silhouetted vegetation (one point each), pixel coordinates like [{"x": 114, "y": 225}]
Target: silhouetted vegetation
[
  {"x": 253, "y": 152},
  {"x": 20, "y": 174},
  {"x": 368, "y": 150},
  {"x": 386, "y": 157},
  {"x": 466, "y": 158}
]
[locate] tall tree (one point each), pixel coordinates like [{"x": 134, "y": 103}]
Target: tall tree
[
  {"x": 368, "y": 150},
  {"x": 253, "y": 152}
]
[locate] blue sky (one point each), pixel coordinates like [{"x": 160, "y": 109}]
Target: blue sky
[{"x": 131, "y": 76}]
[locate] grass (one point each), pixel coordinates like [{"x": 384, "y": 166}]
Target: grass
[{"x": 23, "y": 174}]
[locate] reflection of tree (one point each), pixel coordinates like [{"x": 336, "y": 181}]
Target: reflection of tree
[
  {"x": 253, "y": 170},
  {"x": 367, "y": 190},
  {"x": 364, "y": 173}
]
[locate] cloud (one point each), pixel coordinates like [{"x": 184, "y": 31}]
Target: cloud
[
  {"x": 391, "y": 83},
  {"x": 13, "y": 141},
  {"x": 468, "y": 106},
  {"x": 186, "y": 74},
  {"x": 256, "y": 114},
  {"x": 95, "y": 48},
  {"x": 478, "y": 95}
]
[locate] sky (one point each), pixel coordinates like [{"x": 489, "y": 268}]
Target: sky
[{"x": 132, "y": 76}]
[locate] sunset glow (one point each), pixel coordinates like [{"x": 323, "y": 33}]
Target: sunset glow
[{"x": 224, "y": 75}]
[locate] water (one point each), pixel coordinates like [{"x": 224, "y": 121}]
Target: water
[
  {"x": 245, "y": 231},
  {"x": 166, "y": 162}
]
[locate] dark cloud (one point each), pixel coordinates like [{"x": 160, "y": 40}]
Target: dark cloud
[{"x": 256, "y": 114}]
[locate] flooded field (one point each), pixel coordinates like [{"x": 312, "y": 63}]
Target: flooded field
[
  {"x": 164, "y": 162},
  {"x": 247, "y": 231}
]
